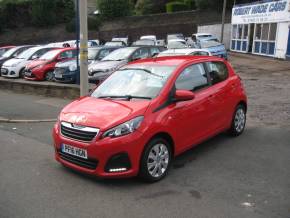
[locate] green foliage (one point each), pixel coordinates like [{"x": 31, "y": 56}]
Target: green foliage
[
  {"x": 190, "y": 4},
  {"x": 114, "y": 8},
  {"x": 176, "y": 6},
  {"x": 43, "y": 12},
  {"x": 150, "y": 6}
]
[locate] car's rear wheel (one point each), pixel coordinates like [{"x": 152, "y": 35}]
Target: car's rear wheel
[
  {"x": 49, "y": 76},
  {"x": 156, "y": 160},
  {"x": 239, "y": 121}
]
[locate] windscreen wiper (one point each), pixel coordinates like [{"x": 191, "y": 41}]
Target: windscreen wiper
[
  {"x": 127, "y": 97},
  {"x": 145, "y": 70}
]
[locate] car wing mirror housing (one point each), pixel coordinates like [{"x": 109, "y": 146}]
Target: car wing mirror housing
[{"x": 183, "y": 95}]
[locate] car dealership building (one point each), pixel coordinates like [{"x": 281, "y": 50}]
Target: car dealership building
[{"x": 262, "y": 28}]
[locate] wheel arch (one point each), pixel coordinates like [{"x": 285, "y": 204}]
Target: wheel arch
[
  {"x": 244, "y": 104},
  {"x": 167, "y": 137}
]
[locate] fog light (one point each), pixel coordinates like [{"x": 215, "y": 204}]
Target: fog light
[
  {"x": 117, "y": 170},
  {"x": 12, "y": 73}
]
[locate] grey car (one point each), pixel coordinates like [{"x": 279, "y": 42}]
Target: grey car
[{"x": 101, "y": 70}]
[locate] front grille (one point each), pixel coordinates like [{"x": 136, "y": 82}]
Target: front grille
[
  {"x": 4, "y": 71},
  {"x": 85, "y": 163},
  {"x": 80, "y": 133}
]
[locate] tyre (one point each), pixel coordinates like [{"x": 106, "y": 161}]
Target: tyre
[
  {"x": 155, "y": 161},
  {"x": 21, "y": 73},
  {"x": 49, "y": 76},
  {"x": 238, "y": 121}
]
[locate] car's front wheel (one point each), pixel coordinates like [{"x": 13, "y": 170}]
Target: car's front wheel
[
  {"x": 156, "y": 160},
  {"x": 239, "y": 121},
  {"x": 49, "y": 76}
]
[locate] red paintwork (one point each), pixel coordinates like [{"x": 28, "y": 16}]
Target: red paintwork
[
  {"x": 186, "y": 122},
  {"x": 39, "y": 73}
]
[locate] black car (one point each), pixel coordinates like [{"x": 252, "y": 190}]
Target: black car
[
  {"x": 13, "y": 52},
  {"x": 66, "y": 71}
]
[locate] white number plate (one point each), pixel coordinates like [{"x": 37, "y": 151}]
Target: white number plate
[
  {"x": 57, "y": 75},
  {"x": 78, "y": 152},
  {"x": 27, "y": 73}
]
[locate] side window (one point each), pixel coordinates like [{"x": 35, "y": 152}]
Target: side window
[
  {"x": 192, "y": 78},
  {"x": 200, "y": 53},
  {"x": 218, "y": 72},
  {"x": 68, "y": 54},
  {"x": 140, "y": 53},
  {"x": 103, "y": 53},
  {"x": 41, "y": 52},
  {"x": 154, "y": 50}
]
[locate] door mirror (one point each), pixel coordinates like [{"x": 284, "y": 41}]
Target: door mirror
[{"x": 183, "y": 95}]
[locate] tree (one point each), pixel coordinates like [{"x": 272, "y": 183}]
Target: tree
[
  {"x": 114, "y": 8},
  {"x": 150, "y": 6}
]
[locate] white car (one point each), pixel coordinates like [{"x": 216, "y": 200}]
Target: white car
[
  {"x": 15, "y": 67},
  {"x": 185, "y": 51},
  {"x": 176, "y": 43},
  {"x": 149, "y": 37},
  {"x": 204, "y": 36}
]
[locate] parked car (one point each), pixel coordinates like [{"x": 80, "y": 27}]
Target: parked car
[
  {"x": 12, "y": 53},
  {"x": 144, "y": 42},
  {"x": 150, "y": 37},
  {"x": 98, "y": 53},
  {"x": 121, "y": 39},
  {"x": 204, "y": 36},
  {"x": 115, "y": 43},
  {"x": 118, "y": 58},
  {"x": 66, "y": 71},
  {"x": 14, "y": 67},
  {"x": 4, "y": 49},
  {"x": 42, "y": 68},
  {"x": 147, "y": 113},
  {"x": 174, "y": 36},
  {"x": 185, "y": 51},
  {"x": 176, "y": 43},
  {"x": 215, "y": 48}
]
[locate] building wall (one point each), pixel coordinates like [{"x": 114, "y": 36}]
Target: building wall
[
  {"x": 215, "y": 29},
  {"x": 282, "y": 39}
]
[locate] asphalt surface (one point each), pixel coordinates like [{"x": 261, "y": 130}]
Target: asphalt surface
[{"x": 225, "y": 177}]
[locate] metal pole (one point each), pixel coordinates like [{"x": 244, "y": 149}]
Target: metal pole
[
  {"x": 223, "y": 20},
  {"x": 84, "y": 85},
  {"x": 77, "y": 41}
]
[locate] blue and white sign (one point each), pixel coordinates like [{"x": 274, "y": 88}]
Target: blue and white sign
[{"x": 275, "y": 11}]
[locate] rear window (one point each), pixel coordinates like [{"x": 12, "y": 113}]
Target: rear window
[{"x": 218, "y": 72}]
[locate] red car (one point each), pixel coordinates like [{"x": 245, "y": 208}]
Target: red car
[
  {"x": 148, "y": 112},
  {"x": 42, "y": 68}
]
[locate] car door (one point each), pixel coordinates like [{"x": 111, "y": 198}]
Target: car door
[
  {"x": 219, "y": 94},
  {"x": 190, "y": 118}
]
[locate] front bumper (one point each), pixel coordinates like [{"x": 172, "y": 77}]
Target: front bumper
[
  {"x": 11, "y": 72},
  {"x": 65, "y": 77},
  {"x": 103, "y": 154},
  {"x": 31, "y": 74}
]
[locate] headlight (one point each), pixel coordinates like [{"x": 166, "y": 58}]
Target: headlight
[
  {"x": 124, "y": 128},
  {"x": 13, "y": 65},
  {"x": 38, "y": 67},
  {"x": 110, "y": 70},
  {"x": 72, "y": 67}
]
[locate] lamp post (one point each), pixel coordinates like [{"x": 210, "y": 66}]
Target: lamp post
[
  {"x": 77, "y": 27},
  {"x": 223, "y": 20},
  {"x": 84, "y": 84}
]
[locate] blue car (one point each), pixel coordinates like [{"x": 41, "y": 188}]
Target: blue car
[{"x": 214, "y": 47}]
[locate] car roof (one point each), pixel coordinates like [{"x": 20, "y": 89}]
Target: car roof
[{"x": 176, "y": 60}]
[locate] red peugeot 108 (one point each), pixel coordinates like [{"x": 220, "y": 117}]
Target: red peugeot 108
[
  {"x": 148, "y": 112},
  {"x": 42, "y": 68}
]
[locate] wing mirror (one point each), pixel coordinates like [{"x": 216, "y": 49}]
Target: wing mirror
[
  {"x": 183, "y": 95},
  {"x": 34, "y": 57}
]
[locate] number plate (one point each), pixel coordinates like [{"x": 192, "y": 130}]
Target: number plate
[
  {"x": 27, "y": 73},
  {"x": 57, "y": 75},
  {"x": 78, "y": 152}
]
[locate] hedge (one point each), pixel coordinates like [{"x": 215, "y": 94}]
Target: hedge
[{"x": 176, "y": 6}]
